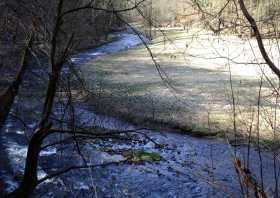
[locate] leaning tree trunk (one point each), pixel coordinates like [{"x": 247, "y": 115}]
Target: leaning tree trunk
[
  {"x": 30, "y": 179},
  {"x": 8, "y": 95},
  {"x": 259, "y": 39}
]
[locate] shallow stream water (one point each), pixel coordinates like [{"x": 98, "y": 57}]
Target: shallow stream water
[{"x": 191, "y": 167}]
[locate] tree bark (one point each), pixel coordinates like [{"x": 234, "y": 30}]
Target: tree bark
[
  {"x": 30, "y": 179},
  {"x": 8, "y": 95},
  {"x": 257, "y": 33}
]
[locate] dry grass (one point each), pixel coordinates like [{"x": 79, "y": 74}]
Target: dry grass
[{"x": 128, "y": 85}]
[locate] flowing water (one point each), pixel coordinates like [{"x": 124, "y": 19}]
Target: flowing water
[{"x": 190, "y": 167}]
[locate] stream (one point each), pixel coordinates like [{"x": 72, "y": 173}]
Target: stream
[{"x": 190, "y": 167}]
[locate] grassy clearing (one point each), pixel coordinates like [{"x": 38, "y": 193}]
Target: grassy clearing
[{"x": 127, "y": 84}]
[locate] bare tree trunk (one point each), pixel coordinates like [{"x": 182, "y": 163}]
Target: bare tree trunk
[
  {"x": 257, "y": 33},
  {"x": 30, "y": 179},
  {"x": 57, "y": 57},
  {"x": 9, "y": 94}
]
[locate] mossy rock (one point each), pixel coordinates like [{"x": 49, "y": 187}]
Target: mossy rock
[
  {"x": 138, "y": 156},
  {"x": 146, "y": 156},
  {"x": 141, "y": 156}
]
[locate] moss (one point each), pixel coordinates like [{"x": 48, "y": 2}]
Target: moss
[
  {"x": 146, "y": 156},
  {"x": 138, "y": 156}
]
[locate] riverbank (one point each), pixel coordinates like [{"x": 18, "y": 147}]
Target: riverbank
[
  {"x": 187, "y": 167},
  {"x": 127, "y": 85}
]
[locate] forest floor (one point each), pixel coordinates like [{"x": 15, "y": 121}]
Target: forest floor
[{"x": 197, "y": 97}]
